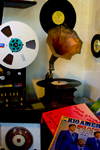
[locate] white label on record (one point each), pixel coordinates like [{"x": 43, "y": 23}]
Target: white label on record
[{"x": 18, "y": 140}]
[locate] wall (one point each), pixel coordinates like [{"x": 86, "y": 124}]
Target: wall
[
  {"x": 83, "y": 67},
  {"x": 92, "y": 64}
]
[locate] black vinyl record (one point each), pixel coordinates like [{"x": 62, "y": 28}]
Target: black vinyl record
[
  {"x": 95, "y": 45},
  {"x": 59, "y": 83},
  {"x": 19, "y": 138},
  {"x": 57, "y": 12}
]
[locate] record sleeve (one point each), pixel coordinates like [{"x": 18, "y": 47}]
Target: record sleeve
[
  {"x": 80, "y": 111},
  {"x": 83, "y": 130}
]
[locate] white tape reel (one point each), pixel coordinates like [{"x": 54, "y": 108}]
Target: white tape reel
[{"x": 18, "y": 45}]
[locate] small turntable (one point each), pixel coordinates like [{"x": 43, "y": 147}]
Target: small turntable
[
  {"x": 63, "y": 42},
  {"x": 58, "y": 92}
]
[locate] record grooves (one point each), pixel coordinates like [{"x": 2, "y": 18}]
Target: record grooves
[
  {"x": 59, "y": 83},
  {"x": 56, "y": 12},
  {"x": 19, "y": 138}
]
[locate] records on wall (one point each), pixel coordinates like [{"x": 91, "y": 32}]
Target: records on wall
[
  {"x": 95, "y": 45},
  {"x": 57, "y": 12}
]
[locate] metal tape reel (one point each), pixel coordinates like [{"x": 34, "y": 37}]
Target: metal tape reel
[{"x": 18, "y": 45}]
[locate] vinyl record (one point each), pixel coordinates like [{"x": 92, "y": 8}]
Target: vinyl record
[
  {"x": 59, "y": 83},
  {"x": 19, "y": 138},
  {"x": 18, "y": 45},
  {"x": 95, "y": 45},
  {"x": 57, "y": 12}
]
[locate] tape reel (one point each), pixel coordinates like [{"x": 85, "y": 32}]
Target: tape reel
[{"x": 18, "y": 45}]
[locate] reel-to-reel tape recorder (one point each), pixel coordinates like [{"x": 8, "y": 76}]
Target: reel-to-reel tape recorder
[{"x": 16, "y": 52}]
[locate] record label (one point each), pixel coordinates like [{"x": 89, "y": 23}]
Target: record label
[
  {"x": 18, "y": 140},
  {"x": 2, "y": 45},
  {"x": 60, "y": 82},
  {"x": 58, "y": 17},
  {"x": 96, "y": 46}
]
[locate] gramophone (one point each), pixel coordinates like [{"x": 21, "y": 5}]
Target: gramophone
[{"x": 63, "y": 42}]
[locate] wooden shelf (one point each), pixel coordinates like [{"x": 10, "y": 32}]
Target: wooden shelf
[{"x": 19, "y": 3}]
